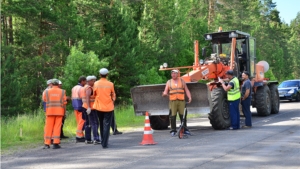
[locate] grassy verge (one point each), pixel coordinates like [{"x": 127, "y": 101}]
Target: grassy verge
[{"x": 26, "y": 131}]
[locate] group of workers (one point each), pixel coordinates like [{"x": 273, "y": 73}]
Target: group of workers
[
  {"x": 176, "y": 88},
  {"x": 93, "y": 103}
]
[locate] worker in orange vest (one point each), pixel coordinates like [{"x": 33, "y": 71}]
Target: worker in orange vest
[
  {"x": 104, "y": 104},
  {"x": 56, "y": 100},
  {"x": 62, "y": 136},
  {"x": 77, "y": 94},
  {"x": 90, "y": 114},
  {"x": 176, "y": 88}
]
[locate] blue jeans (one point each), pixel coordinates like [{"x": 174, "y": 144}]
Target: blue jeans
[
  {"x": 246, "y": 110},
  {"x": 91, "y": 124},
  {"x": 234, "y": 113}
]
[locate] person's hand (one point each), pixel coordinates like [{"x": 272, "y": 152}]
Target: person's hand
[
  {"x": 190, "y": 100},
  {"x": 221, "y": 80},
  {"x": 164, "y": 94},
  {"x": 88, "y": 111}
]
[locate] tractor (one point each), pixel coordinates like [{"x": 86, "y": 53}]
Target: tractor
[{"x": 231, "y": 50}]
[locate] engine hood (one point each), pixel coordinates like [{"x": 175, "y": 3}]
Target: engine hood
[{"x": 286, "y": 88}]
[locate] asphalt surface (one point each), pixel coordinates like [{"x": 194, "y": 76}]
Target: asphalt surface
[{"x": 272, "y": 142}]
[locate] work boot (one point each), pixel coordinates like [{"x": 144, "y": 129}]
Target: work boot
[
  {"x": 80, "y": 139},
  {"x": 88, "y": 142},
  {"x": 46, "y": 146},
  {"x": 97, "y": 142},
  {"x": 117, "y": 132},
  {"x": 56, "y": 146}
]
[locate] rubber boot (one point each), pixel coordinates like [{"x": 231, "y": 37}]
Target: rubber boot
[{"x": 173, "y": 123}]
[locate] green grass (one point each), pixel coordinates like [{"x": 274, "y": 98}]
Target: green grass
[{"x": 26, "y": 131}]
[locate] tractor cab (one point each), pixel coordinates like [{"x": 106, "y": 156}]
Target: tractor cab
[{"x": 244, "y": 50}]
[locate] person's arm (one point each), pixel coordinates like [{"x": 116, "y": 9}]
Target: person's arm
[
  {"x": 44, "y": 96},
  {"x": 226, "y": 88},
  {"x": 166, "y": 91},
  {"x": 113, "y": 93},
  {"x": 247, "y": 93},
  {"x": 88, "y": 93},
  {"x": 188, "y": 93}
]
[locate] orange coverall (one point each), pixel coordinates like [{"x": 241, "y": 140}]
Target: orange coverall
[{"x": 56, "y": 100}]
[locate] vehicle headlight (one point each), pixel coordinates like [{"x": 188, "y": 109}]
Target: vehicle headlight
[
  {"x": 291, "y": 91},
  {"x": 201, "y": 61},
  {"x": 161, "y": 67}
]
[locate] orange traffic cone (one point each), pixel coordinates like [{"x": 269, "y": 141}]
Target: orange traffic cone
[{"x": 148, "y": 139}]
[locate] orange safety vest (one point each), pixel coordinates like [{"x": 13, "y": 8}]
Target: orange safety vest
[
  {"x": 56, "y": 100},
  {"x": 84, "y": 99},
  {"x": 105, "y": 96},
  {"x": 77, "y": 94},
  {"x": 176, "y": 92}
]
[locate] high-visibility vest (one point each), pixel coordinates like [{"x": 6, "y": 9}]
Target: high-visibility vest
[
  {"x": 84, "y": 98},
  {"x": 105, "y": 95},
  {"x": 176, "y": 92},
  {"x": 44, "y": 103},
  {"x": 56, "y": 100},
  {"x": 234, "y": 94},
  {"x": 77, "y": 93}
]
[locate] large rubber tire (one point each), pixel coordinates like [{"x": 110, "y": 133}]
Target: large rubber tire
[
  {"x": 298, "y": 97},
  {"x": 159, "y": 122},
  {"x": 219, "y": 115},
  {"x": 275, "y": 102},
  {"x": 262, "y": 101}
]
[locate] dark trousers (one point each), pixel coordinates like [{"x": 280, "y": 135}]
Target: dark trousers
[
  {"x": 113, "y": 122},
  {"x": 62, "y": 126},
  {"x": 105, "y": 123},
  {"x": 246, "y": 110},
  {"x": 91, "y": 125},
  {"x": 234, "y": 113}
]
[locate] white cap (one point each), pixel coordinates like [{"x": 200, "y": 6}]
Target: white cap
[
  {"x": 49, "y": 81},
  {"x": 175, "y": 71},
  {"x": 91, "y": 78},
  {"x": 59, "y": 82},
  {"x": 103, "y": 71}
]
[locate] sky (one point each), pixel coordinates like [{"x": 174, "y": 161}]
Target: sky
[{"x": 288, "y": 9}]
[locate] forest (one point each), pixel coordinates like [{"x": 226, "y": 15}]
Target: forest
[{"x": 64, "y": 39}]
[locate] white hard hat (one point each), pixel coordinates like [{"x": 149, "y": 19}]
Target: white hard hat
[
  {"x": 59, "y": 82},
  {"x": 49, "y": 81},
  {"x": 55, "y": 81},
  {"x": 175, "y": 71},
  {"x": 103, "y": 71},
  {"x": 91, "y": 78}
]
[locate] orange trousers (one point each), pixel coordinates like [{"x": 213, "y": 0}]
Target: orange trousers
[
  {"x": 80, "y": 123},
  {"x": 52, "y": 129}
]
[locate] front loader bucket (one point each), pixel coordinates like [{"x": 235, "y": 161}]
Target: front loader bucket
[{"x": 149, "y": 98}]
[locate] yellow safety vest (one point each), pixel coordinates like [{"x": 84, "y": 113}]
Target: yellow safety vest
[{"x": 234, "y": 94}]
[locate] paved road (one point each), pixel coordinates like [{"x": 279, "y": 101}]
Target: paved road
[{"x": 273, "y": 142}]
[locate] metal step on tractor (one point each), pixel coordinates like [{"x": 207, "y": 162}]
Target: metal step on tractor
[{"x": 230, "y": 50}]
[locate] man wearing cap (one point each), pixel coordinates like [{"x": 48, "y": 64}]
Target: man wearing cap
[
  {"x": 62, "y": 136},
  {"x": 77, "y": 94},
  {"x": 104, "y": 104},
  {"x": 56, "y": 100},
  {"x": 89, "y": 113},
  {"x": 233, "y": 97},
  {"x": 246, "y": 99},
  {"x": 176, "y": 88}
]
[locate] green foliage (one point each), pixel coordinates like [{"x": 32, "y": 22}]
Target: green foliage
[
  {"x": 80, "y": 64},
  {"x": 67, "y": 39}
]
